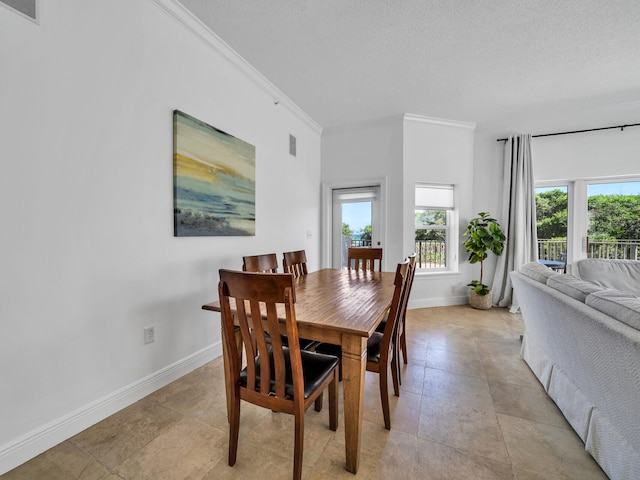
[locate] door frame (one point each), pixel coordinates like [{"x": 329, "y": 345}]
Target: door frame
[{"x": 326, "y": 248}]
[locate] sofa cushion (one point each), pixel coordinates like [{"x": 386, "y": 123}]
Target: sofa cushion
[
  {"x": 622, "y": 306},
  {"x": 572, "y": 286},
  {"x": 537, "y": 272},
  {"x": 617, "y": 274}
]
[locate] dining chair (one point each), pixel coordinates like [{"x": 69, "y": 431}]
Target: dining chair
[
  {"x": 267, "y": 263},
  {"x": 380, "y": 346},
  {"x": 403, "y": 320},
  {"x": 364, "y": 258},
  {"x": 278, "y": 377},
  {"x": 295, "y": 263}
]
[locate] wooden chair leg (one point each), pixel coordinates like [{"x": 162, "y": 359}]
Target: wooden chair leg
[
  {"x": 395, "y": 374},
  {"x": 333, "y": 402},
  {"x": 403, "y": 344},
  {"x": 234, "y": 429},
  {"x": 298, "y": 446},
  {"x": 318, "y": 403},
  {"x": 396, "y": 356},
  {"x": 384, "y": 397}
]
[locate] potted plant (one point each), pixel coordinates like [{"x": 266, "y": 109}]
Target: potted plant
[{"x": 484, "y": 235}]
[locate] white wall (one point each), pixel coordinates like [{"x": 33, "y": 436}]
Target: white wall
[
  {"x": 88, "y": 253},
  {"x": 406, "y": 149},
  {"x": 369, "y": 150},
  {"x": 439, "y": 151}
]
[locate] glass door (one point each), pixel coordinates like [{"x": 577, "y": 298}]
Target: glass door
[{"x": 356, "y": 221}]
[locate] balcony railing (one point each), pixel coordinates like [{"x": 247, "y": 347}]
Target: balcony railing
[
  {"x": 610, "y": 249},
  {"x": 431, "y": 254},
  {"x": 360, "y": 243},
  {"x": 552, "y": 250},
  {"x": 620, "y": 250}
]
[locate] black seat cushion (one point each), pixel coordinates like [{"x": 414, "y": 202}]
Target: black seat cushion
[
  {"x": 383, "y": 323},
  {"x": 305, "y": 344},
  {"x": 316, "y": 367},
  {"x": 374, "y": 342}
]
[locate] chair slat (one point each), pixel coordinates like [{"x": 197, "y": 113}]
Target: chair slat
[
  {"x": 249, "y": 343},
  {"x": 279, "y": 373}
]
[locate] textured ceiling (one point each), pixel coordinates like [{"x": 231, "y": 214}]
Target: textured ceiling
[{"x": 344, "y": 61}]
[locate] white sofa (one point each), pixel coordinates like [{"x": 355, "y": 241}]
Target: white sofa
[{"x": 582, "y": 341}]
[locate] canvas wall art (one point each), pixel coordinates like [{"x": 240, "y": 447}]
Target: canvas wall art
[
  {"x": 214, "y": 181},
  {"x": 26, "y": 8}
]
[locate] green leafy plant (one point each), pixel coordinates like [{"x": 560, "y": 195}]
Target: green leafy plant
[
  {"x": 483, "y": 235},
  {"x": 365, "y": 233}
]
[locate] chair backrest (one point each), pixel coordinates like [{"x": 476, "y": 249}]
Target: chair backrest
[
  {"x": 295, "y": 263},
  {"x": 412, "y": 270},
  {"x": 267, "y": 263},
  {"x": 398, "y": 303},
  {"x": 411, "y": 259},
  {"x": 364, "y": 258},
  {"x": 257, "y": 297}
]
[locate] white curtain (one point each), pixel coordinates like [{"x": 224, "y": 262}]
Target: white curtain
[{"x": 518, "y": 218}]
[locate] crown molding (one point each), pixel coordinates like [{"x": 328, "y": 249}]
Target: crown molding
[
  {"x": 185, "y": 18},
  {"x": 410, "y": 117}
]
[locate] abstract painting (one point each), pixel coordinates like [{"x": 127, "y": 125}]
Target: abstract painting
[
  {"x": 214, "y": 181},
  {"x": 27, "y": 8}
]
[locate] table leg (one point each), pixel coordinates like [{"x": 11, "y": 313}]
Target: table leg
[{"x": 354, "y": 362}]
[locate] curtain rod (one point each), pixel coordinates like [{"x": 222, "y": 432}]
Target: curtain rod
[{"x": 621, "y": 127}]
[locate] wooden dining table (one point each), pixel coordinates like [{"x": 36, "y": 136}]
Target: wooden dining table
[{"x": 342, "y": 307}]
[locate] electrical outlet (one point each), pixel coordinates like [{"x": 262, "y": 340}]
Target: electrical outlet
[{"x": 149, "y": 335}]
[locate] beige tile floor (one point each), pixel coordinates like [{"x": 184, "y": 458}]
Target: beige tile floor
[{"x": 469, "y": 408}]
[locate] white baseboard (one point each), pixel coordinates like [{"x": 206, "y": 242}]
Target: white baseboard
[
  {"x": 438, "y": 302},
  {"x": 24, "y": 448}
]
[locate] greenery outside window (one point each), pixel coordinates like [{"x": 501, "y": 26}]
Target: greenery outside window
[
  {"x": 551, "y": 218},
  {"x": 589, "y": 218},
  {"x": 435, "y": 220}
]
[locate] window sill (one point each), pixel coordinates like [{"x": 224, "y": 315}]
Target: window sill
[{"x": 437, "y": 273}]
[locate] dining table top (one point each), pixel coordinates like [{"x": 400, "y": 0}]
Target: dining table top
[{"x": 340, "y": 301}]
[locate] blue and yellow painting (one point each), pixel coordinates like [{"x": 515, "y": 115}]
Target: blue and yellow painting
[{"x": 214, "y": 181}]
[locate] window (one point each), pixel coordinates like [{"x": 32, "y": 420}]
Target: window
[
  {"x": 435, "y": 220},
  {"x": 551, "y": 219},
  {"x": 613, "y": 220},
  {"x": 601, "y": 218}
]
